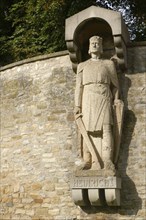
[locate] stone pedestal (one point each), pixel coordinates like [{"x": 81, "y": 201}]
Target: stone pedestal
[{"x": 95, "y": 189}]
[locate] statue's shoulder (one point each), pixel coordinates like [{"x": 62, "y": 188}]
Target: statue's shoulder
[
  {"x": 110, "y": 65},
  {"x": 82, "y": 65},
  {"x": 108, "y": 62}
]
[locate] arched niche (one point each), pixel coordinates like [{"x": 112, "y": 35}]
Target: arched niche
[
  {"x": 89, "y": 28},
  {"x": 103, "y": 22}
]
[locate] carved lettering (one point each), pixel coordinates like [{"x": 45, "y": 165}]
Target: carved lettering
[{"x": 95, "y": 182}]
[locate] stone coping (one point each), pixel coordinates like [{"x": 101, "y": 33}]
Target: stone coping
[
  {"x": 102, "y": 172},
  {"x": 136, "y": 44},
  {"x": 34, "y": 59},
  {"x": 56, "y": 54}
]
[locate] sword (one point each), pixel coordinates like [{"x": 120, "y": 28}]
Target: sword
[{"x": 84, "y": 133}]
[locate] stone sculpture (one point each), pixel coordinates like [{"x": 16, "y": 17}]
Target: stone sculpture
[
  {"x": 98, "y": 105},
  {"x": 96, "y": 102},
  {"x": 98, "y": 114}
]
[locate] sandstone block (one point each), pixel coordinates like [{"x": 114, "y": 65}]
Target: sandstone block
[
  {"x": 41, "y": 212},
  {"x": 38, "y": 200},
  {"x": 16, "y": 188},
  {"x": 27, "y": 200},
  {"x": 36, "y": 186},
  {"x": 30, "y": 212},
  {"x": 20, "y": 211}
]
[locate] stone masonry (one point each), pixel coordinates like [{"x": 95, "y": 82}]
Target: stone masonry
[{"x": 39, "y": 142}]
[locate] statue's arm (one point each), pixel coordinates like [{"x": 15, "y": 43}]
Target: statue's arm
[
  {"x": 114, "y": 81},
  {"x": 78, "y": 92},
  {"x": 116, "y": 95}
]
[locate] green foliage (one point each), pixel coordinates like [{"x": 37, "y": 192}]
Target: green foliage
[
  {"x": 5, "y": 32},
  {"x": 33, "y": 27},
  {"x": 134, "y": 14}
]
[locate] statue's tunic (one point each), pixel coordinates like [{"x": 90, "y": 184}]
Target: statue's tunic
[{"x": 93, "y": 92}]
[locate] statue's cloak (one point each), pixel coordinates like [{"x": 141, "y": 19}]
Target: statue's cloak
[{"x": 93, "y": 92}]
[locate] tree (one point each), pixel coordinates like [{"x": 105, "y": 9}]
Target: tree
[
  {"x": 134, "y": 14},
  {"x": 5, "y": 32},
  {"x": 37, "y": 26}
]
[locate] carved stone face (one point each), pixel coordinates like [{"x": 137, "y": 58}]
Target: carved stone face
[{"x": 95, "y": 45}]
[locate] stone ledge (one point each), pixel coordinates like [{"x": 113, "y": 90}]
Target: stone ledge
[
  {"x": 90, "y": 173},
  {"x": 136, "y": 44},
  {"x": 34, "y": 59}
]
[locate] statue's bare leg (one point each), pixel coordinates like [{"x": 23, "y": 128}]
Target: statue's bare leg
[
  {"x": 107, "y": 147},
  {"x": 97, "y": 143}
]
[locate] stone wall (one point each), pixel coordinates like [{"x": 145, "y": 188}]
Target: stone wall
[{"x": 38, "y": 142}]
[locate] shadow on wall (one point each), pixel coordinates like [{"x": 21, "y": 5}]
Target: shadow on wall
[{"x": 130, "y": 201}]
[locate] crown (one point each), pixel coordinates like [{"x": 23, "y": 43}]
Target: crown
[{"x": 95, "y": 38}]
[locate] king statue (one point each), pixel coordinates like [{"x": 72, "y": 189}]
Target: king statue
[{"x": 97, "y": 91}]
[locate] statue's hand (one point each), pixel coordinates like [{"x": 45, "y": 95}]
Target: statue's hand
[
  {"x": 115, "y": 59},
  {"x": 77, "y": 110}
]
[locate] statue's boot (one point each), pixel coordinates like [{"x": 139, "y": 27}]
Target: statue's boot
[
  {"x": 108, "y": 165},
  {"x": 87, "y": 160}
]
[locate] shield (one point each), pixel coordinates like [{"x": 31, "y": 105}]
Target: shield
[{"x": 117, "y": 127}]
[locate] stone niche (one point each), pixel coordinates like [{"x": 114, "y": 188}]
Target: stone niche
[
  {"x": 105, "y": 23},
  {"x": 96, "y": 187}
]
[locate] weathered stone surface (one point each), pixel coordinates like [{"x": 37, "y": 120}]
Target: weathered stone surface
[{"x": 26, "y": 143}]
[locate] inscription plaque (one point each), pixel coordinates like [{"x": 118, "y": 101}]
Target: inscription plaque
[{"x": 95, "y": 183}]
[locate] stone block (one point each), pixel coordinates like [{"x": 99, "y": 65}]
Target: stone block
[
  {"x": 96, "y": 190},
  {"x": 41, "y": 212},
  {"x": 20, "y": 211},
  {"x": 16, "y": 188},
  {"x": 38, "y": 200},
  {"x": 30, "y": 212},
  {"x": 36, "y": 186},
  {"x": 27, "y": 200}
]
